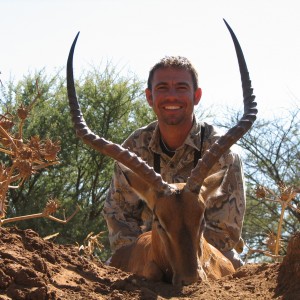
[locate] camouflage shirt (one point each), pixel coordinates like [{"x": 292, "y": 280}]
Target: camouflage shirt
[{"x": 127, "y": 216}]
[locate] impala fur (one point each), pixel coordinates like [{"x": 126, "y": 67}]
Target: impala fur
[{"x": 175, "y": 250}]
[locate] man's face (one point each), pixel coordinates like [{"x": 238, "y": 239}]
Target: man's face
[{"x": 173, "y": 96}]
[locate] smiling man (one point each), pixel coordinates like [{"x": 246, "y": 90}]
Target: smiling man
[
  {"x": 173, "y": 145},
  {"x": 172, "y": 95}
]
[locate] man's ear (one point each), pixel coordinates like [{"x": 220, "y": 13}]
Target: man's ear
[
  {"x": 197, "y": 96},
  {"x": 149, "y": 96}
]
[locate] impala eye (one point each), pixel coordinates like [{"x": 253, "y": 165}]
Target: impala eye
[
  {"x": 157, "y": 222},
  {"x": 159, "y": 226},
  {"x": 202, "y": 225}
]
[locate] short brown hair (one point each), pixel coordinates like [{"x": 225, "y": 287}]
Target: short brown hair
[{"x": 174, "y": 62}]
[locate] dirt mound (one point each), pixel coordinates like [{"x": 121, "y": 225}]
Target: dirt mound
[
  {"x": 32, "y": 268},
  {"x": 289, "y": 271}
]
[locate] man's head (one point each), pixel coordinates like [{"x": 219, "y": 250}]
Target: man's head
[
  {"x": 173, "y": 91},
  {"x": 179, "y": 62}
]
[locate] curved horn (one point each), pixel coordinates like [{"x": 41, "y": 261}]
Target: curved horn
[
  {"x": 120, "y": 154},
  {"x": 213, "y": 154}
]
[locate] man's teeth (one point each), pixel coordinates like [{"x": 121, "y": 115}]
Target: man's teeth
[{"x": 172, "y": 107}]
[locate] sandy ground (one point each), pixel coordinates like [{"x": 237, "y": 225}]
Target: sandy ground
[{"x": 32, "y": 268}]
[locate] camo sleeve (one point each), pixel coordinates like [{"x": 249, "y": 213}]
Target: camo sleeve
[
  {"x": 123, "y": 217},
  {"x": 225, "y": 210}
]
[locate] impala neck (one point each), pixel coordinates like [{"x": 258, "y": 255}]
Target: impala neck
[{"x": 160, "y": 256}]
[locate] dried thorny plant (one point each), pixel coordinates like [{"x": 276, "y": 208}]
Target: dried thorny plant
[
  {"x": 270, "y": 242},
  {"x": 91, "y": 243},
  {"x": 25, "y": 158},
  {"x": 52, "y": 206},
  {"x": 286, "y": 195}
]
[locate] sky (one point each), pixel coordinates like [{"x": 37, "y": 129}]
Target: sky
[{"x": 135, "y": 34}]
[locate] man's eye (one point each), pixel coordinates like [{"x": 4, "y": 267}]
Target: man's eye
[
  {"x": 161, "y": 88},
  {"x": 182, "y": 88}
]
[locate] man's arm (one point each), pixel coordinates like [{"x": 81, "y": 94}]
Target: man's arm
[
  {"x": 225, "y": 211},
  {"x": 122, "y": 212}
]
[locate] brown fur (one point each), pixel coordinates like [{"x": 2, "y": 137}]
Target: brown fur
[{"x": 178, "y": 252}]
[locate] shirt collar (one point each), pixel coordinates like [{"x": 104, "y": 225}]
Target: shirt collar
[{"x": 192, "y": 140}]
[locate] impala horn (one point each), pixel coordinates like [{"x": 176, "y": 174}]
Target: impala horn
[
  {"x": 213, "y": 154},
  {"x": 120, "y": 154}
]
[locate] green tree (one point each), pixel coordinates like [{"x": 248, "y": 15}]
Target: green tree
[
  {"x": 271, "y": 159},
  {"x": 113, "y": 107}
]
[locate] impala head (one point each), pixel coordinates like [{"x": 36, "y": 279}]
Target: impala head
[
  {"x": 178, "y": 224},
  {"x": 178, "y": 209}
]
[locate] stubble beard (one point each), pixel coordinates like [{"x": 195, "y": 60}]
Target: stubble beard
[{"x": 173, "y": 121}]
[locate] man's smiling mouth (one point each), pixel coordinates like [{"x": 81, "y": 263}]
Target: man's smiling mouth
[{"x": 173, "y": 107}]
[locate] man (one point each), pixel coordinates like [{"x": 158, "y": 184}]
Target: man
[{"x": 172, "y": 145}]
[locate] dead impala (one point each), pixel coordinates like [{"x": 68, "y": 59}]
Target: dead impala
[{"x": 175, "y": 250}]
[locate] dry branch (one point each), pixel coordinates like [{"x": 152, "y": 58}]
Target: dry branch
[
  {"x": 26, "y": 157},
  {"x": 285, "y": 197}
]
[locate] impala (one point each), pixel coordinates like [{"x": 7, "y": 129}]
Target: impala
[{"x": 175, "y": 250}]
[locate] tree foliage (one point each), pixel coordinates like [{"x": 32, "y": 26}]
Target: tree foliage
[
  {"x": 113, "y": 107},
  {"x": 271, "y": 153}
]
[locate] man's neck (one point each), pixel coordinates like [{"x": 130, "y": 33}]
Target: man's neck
[{"x": 174, "y": 136}]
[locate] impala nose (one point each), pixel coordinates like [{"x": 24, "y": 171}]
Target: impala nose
[{"x": 186, "y": 280}]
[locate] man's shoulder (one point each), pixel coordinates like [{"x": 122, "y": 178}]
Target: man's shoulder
[
  {"x": 145, "y": 129},
  {"x": 213, "y": 133},
  {"x": 141, "y": 136}
]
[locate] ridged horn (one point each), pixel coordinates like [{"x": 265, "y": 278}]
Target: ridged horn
[
  {"x": 213, "y": 154},
  {"x": 115, "y": 151}
]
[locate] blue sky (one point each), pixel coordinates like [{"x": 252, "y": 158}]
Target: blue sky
[{"x": 135, "y": 34}]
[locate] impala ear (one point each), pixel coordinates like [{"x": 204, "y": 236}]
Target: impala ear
[
  {"x": 211, "y": 184},
  {"x": 140, "y": 186}
]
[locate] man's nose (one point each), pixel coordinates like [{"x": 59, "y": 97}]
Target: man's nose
[{"x": 172, "y": 93}]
